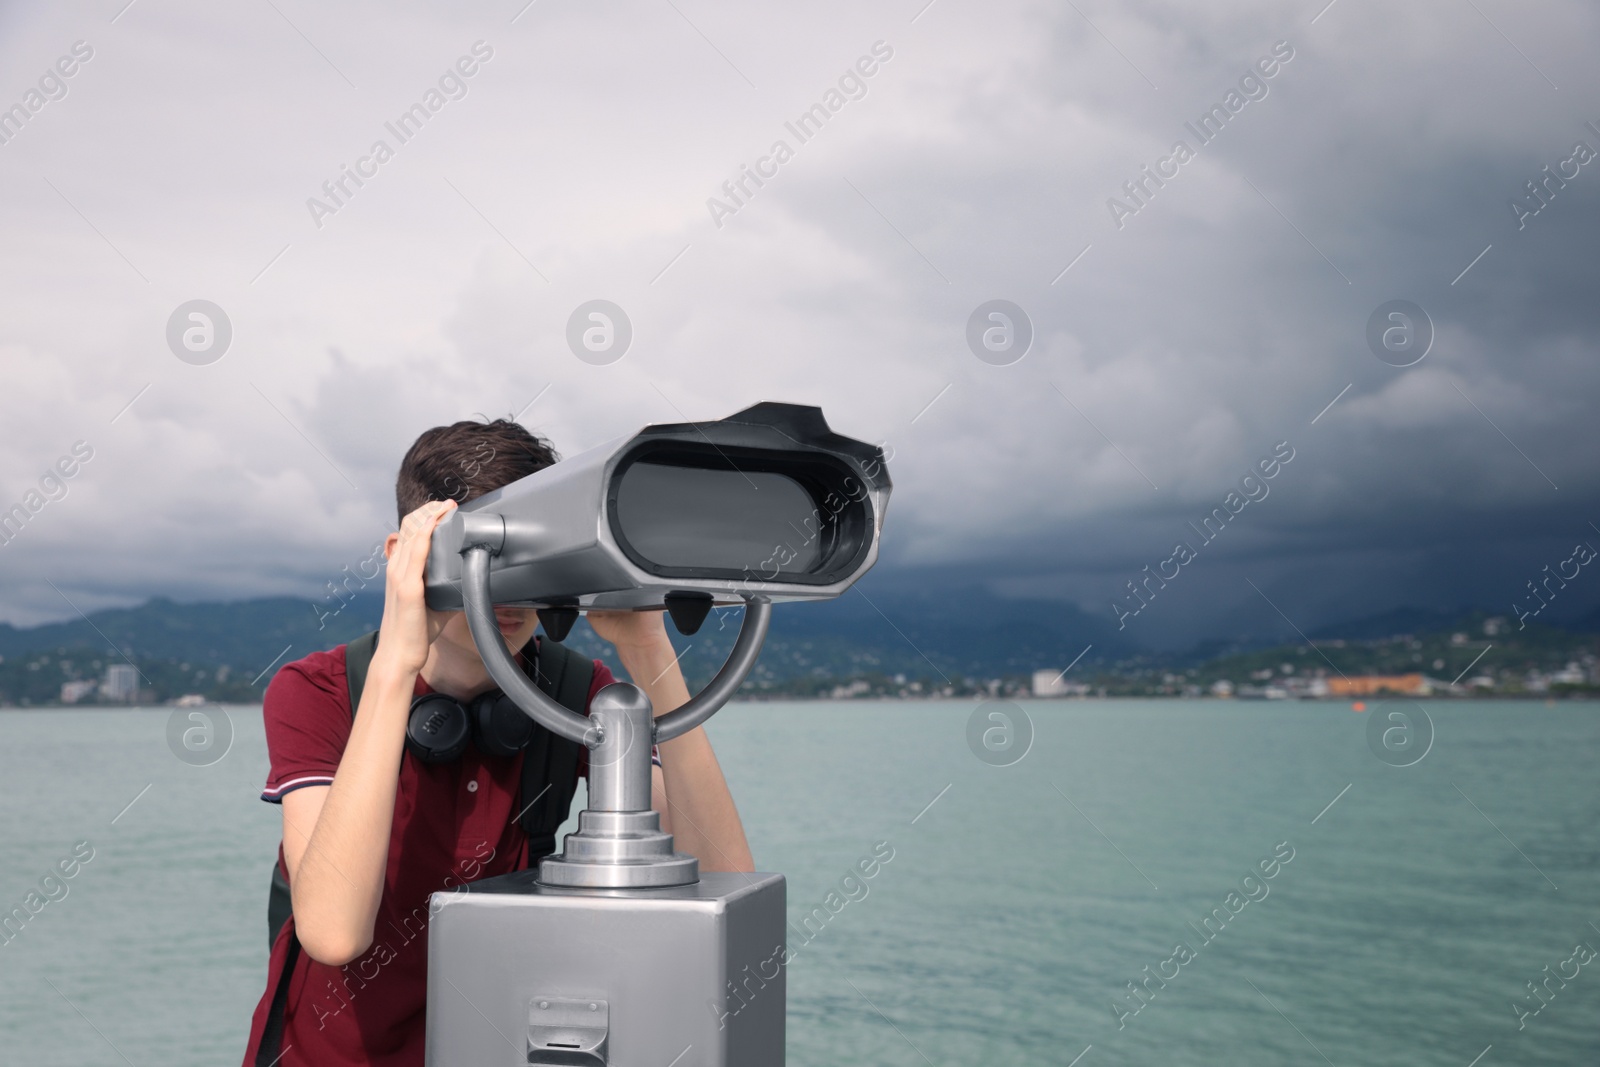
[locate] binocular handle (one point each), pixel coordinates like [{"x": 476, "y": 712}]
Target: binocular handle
[
  {"x": 707, "y": 702},
  {"x": 479, "y": 606}
]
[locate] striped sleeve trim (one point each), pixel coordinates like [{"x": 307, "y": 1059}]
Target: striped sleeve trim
[{"x": 277, "y": 792}]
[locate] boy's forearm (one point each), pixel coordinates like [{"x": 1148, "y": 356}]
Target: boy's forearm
[
  {"x": 339, "y": 882},
  {"x": 705, "y": 821}
]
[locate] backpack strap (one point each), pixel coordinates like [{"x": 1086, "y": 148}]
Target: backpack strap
[
  {"x": 357, "y": 661},
  {"x": 550, "y": 762},
  {"x": 267, "y": 1053},
  {"x": 279, "y": 905}
]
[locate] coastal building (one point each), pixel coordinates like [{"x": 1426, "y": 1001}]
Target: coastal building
[
  {"x": 1053, "y": 683},
  {"x": 121, "y": 684},
  {"x": 1049, "y": 683},
  {"x": 1365, "y": 685},
  {"x": 72, "y": 692},
  {"x": 1573, "y": 674}
]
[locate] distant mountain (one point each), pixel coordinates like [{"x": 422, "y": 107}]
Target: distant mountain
[
  {"x": 921, "y": 633},
  {"x": 939, "y": 637},
  {"x": 1401, "y": 621},
  {"x": 886, "y": 641},
  {"x": 1409, "y": 621},
  {"x": 245, "y": 635},
  {"x": 916, "y": 633},
  {"x": 966, "y": 630}
]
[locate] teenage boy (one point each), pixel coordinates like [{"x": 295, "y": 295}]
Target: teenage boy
[{"x": 370, "y": 830}]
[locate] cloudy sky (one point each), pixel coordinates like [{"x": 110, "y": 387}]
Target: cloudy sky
[{"x": 1179, "y": 335}]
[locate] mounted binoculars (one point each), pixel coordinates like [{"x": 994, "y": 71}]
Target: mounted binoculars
[{"x": 618, "y": 949}]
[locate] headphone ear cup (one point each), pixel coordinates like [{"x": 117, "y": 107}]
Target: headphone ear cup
[
  {"x": 437, "y": 730},
  {"x": 500, "y": 728}
]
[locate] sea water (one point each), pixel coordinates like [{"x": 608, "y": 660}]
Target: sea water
[{"x": 1014, "y": 908}]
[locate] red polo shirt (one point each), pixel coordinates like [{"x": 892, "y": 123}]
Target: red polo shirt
[{"x": 453, "y": 824}]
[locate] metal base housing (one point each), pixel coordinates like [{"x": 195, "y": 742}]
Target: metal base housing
[
  {"x": 693, "y": 971},
  {"x": 619, "y": 850}
]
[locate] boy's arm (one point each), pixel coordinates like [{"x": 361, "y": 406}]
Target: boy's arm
[
  {"x": 336, "y": 838},
  {"x": 699, "y": 810}
]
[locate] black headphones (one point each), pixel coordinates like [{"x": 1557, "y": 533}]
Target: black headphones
[{"x": 440, "y": 726}]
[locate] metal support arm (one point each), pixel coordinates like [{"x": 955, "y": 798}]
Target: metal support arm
[
  {"x": 479, "y": 606},
  {"x": 706, "y": 703},
  {"x": 502, "y": 668}
]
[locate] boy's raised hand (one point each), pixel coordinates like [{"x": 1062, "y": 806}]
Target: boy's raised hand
[{"x": 409, "y": 627}]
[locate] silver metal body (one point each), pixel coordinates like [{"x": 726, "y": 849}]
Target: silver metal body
[
  {"x": 619, "y": 843},
  {"x": 694, "y": 972},
  {"x": 619, "y": 951},
  {"x": 556, "y": 540}
]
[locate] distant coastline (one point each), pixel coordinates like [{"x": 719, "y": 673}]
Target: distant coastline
[
  {"x": 165, "y": 654},
  {"x": 1585, "y": 696}
]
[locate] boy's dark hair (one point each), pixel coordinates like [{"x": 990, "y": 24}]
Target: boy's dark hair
[{"x": 465, "y": 460}]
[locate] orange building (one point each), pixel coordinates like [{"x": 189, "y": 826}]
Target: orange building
[{"x": 1365, "y": 685}]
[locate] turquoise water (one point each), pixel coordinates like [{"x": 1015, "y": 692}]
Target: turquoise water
[{"x": 1006, "y": 925}]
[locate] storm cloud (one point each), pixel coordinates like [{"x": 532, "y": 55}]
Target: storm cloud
[{"x": 1172, "y": 347}]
